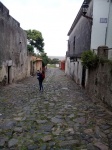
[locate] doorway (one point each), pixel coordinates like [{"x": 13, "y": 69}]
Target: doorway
[
  {"x": 9, "y": 74},
  {"x": 83, "y": 76}
]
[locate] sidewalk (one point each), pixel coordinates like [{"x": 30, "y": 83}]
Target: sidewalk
[{"x": 60, "y": 118}]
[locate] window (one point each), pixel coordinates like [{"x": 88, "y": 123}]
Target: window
[
  {"x": 74, "y": 44},
  {"x": 68, "y": 45}
]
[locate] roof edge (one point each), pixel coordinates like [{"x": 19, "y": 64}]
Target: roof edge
[{"x": 79, "y": 14}]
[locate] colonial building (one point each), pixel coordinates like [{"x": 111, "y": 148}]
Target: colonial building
[
  {"x": 34, "y": 64},
  {"x": 13, "y": 48},
  {"x": 88, "y": 31}
]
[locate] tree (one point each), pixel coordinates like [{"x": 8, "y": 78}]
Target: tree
[
  {"x": 35, "y": 39},
  {"x": 55, "y": 61},
  {"x": 30, "y": 48},
  {"x": 45, "y": 59},
  {"x": 52, "y": 61}
]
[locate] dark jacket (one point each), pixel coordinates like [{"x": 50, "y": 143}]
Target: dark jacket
[{"x": 39, "y": 76}]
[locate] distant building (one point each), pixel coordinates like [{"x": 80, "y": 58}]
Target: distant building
[
  {"x": 57, "y": 65},
  {"x": 57, "y": 57},
  {"x": 34, "y": 64}
]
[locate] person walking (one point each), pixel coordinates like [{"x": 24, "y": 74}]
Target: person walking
[{"x": 40, "y": 77}]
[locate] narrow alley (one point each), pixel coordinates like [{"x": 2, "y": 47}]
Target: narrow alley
[{"x": 61, "y": 117}]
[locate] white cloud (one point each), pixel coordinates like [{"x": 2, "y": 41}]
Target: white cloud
[{"x": 51, "y": 17}]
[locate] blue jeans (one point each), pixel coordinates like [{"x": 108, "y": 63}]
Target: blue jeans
[{"x": 40, "y": 85}]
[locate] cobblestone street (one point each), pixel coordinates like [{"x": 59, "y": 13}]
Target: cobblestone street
[{"x": 61, "y": 117}]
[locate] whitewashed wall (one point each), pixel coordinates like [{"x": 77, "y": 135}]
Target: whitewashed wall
[
  {"x": 74, "y": 70},
  {"x": 101, "y": 35},
  {"x": 100, "y": 10},
  {"x": 109, "y": 31}
]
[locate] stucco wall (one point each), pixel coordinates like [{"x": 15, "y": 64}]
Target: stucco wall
[
  {"x": 109, "y": 31},
  {"x": 74, "y": 70},
  {"x": 39, "y": 65},
  {"x": 13, "y": 47},
  {"x": 82, "y": 33},
  {"x": 67, "y": 66},
  {"x": 102, "y": 9}
]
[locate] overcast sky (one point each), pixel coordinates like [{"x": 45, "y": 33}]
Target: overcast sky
[{"x": 53, "y": 18}]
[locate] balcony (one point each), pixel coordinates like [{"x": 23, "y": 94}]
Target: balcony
[{"x": 73, "y": 57}]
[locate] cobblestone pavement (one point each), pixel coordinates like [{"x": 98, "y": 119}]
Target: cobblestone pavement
[{"x": 60, "y": 118}]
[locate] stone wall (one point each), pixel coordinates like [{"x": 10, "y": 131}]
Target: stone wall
[
  {"x": 13, "y": 48},
  {"x": 100, "y": 80}
]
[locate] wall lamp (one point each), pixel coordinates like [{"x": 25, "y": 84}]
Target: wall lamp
[{"x": 84, "y": 10}]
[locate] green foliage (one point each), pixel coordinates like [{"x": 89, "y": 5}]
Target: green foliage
[
  {"x": 45, "y": 59},
  {"x": 23, "y": 148},
  {"x": 35, "y": 39},
  {"x": 89, "y": 59},
  {"x": 54, "y": 61},
  {"x": 30, "y": 48},
  {"x": 52, "y": 66}
]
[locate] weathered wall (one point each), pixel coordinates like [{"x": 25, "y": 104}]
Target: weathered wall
[
  {"x": 81, "y": 31},
  {"x": 74, "y": 70},
  {"x": 100, "y": 81},
  {"x": 39, "y": 65},
  {"x": 109, "y": 31},
  {"x": 34, "y": 64},
  {"x": 82, "y": 34},
  {"x": 30, "y": 65},
  {"x": 13, "y": 47}
]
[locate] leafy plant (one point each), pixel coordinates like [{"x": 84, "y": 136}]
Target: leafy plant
[
  {"x": 44, "y": 58},
  {"x": 30, "y": 48},
  {"x": 35, "y": 39},
  {"x": 89, "y": 59}
]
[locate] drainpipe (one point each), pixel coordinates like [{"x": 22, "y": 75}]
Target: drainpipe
[{"x": 106, "y": 33}]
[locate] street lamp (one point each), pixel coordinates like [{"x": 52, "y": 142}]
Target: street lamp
[{"x": 84, "y": 10}]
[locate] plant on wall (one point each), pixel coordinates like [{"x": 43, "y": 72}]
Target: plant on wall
[{"x": 89, "y": 59}]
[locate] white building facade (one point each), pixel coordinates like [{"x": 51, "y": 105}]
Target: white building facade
[
  {"x": 86, "y": 34},
  {"x": 102, "y": 25}
]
